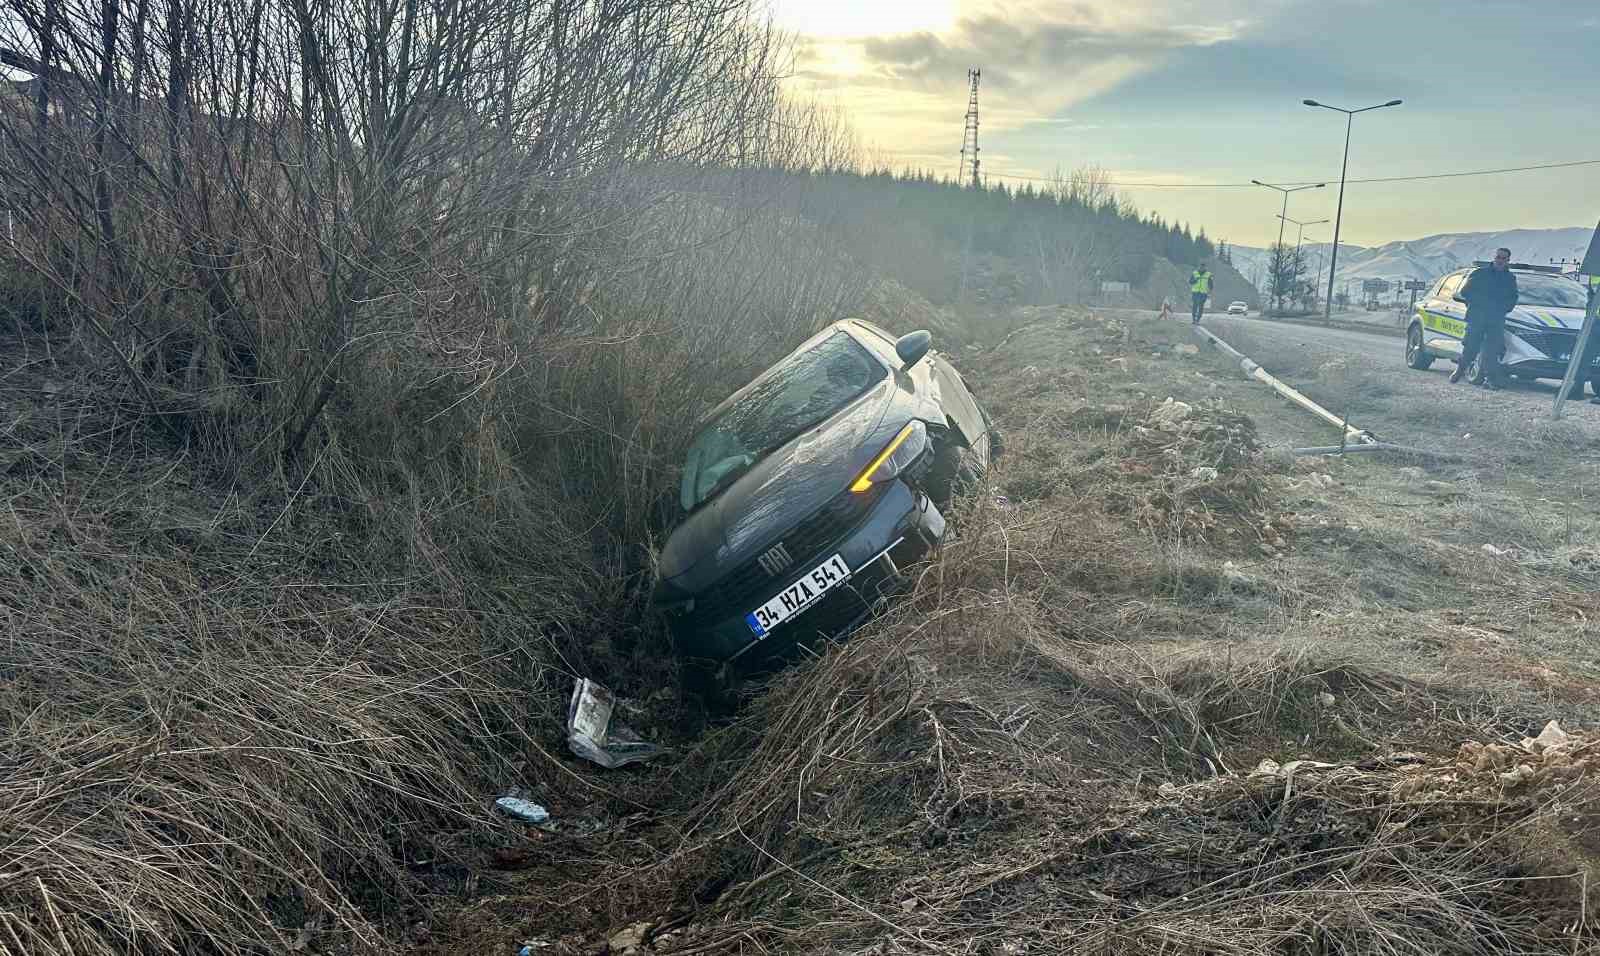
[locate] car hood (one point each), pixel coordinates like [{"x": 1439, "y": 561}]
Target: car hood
[
  {"x": 787, "y": 485},
  {"x": 1545, "y": 317}
]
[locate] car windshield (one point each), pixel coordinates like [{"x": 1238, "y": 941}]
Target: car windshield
[
  {"x": 798, "y": 394},
  {"x": 1550, "y": 291}
]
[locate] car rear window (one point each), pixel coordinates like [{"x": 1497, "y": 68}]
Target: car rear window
[{"x": 805, "y": 389}]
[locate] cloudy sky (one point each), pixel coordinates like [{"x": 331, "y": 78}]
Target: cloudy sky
[{"x": 1176, "y": 91}]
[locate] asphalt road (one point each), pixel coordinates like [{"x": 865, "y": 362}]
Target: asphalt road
[
  {"x": 1385, "y": 351},
  {"x": 1365, "y": 375},
  {"x": 1374, "y": 346}
]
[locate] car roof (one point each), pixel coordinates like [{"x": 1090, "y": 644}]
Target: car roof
[
  {"x": 1521, "y": 267},
  {"x": 1514, "y": 267}
]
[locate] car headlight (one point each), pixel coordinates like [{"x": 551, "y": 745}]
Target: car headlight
[{"x": 905, "y": 448}]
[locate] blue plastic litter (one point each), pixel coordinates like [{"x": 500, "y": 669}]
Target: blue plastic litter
[{"x": 525, "y": 810}]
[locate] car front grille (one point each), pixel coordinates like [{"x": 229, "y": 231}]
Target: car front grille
[
  {"x": 749, "y": 584},
  {"x": 1552, "y": 343}
]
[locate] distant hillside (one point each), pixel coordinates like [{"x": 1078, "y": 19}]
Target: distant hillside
[
  {"x": 998, "y": 246},
  {"x": 1432, "y": 256}
]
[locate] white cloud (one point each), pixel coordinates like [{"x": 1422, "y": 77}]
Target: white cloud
[{"x": 907, "y": 90}]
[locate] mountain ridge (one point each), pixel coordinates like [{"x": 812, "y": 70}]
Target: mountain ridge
[{"x": 1428, "y": 257}]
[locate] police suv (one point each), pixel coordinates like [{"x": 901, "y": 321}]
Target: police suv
[{"x": 1541, "y": 331}]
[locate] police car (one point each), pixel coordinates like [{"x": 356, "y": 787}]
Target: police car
[{"x": 1541, "y": 331}]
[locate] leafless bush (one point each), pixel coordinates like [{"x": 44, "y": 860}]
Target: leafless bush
[
  {"x": 257, "y": 210},
  {"x": 380, "y": 325},
  {"x": 225, "y": 730}
]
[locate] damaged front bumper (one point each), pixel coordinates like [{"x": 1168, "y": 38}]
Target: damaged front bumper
[{"x": 899, "y": 529}]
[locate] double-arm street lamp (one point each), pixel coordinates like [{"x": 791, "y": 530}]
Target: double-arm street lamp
[
  {"x": 1333, "y": 258},
  {"x": 1282, "y": 217},
  {"x": 1286, "y": 190},
  {"x": 1300, "y": 233}
]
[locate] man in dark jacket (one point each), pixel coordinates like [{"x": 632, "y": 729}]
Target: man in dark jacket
[{"x": 1489, "y": 292}]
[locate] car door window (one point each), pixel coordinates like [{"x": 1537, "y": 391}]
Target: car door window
[{"x": 1448, "y": 288}]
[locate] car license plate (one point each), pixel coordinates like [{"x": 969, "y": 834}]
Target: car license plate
[{"x": 795, "y": 598}]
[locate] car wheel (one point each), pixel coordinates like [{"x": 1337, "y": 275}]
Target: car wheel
[
  {"x": 997, "y": 444},
  {"x": 1576, "y": 391},
  {"x": 716, "y": 685},
  {"x": 1417, "y": 355},
  {"x": 1594, "y": 382},
  {"x": 955, "y": 470}
]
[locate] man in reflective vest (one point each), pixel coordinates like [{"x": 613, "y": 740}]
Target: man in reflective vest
[{"x": 1200, "y": 290}]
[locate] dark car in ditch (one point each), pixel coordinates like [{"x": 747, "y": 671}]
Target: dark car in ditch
[{"x": 808, "y": 492}]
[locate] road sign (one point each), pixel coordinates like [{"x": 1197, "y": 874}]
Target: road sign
[
  {"x": 1415, "y": 285},
  {"x": 1591, "y": 262}
]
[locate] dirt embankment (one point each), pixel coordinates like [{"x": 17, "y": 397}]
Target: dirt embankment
[
  {"x": 1173, "y": 692},
  {"x": 1169, "y": 691}
]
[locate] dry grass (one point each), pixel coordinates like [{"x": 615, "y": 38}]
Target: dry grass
[
  {"x": 225, "y": 728},
  {"x": 969, "y": 778},
  {"x": 1060, "y": 741},
  {"x": 242, "y": 723}
]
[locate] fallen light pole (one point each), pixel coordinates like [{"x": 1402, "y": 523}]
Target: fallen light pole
[
  {"x": 1363, "y": 441},
  {"x": 1347, "y": 434}
]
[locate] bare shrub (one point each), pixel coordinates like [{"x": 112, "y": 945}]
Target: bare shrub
[{"x": 370, "y": 333}]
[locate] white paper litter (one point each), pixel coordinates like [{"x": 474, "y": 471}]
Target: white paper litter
[{"x": 593, "y": 735}]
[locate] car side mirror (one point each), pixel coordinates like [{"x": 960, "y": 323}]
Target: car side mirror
[{"x": 912, "y": 346}]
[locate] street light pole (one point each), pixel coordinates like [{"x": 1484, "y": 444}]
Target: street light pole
[
  {"x": 1283, "y": 217},
  {"x": 1338, "y": 217},
  {"x": 1318, "y": 273}
]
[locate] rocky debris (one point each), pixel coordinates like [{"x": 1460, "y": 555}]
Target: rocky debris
[
  {"x": 1319, "y": 480},
  {"x": 1485, "y": 773},
  {"x": 630, "y": 939},
  {"x": 1274, "y": 531},
  {"x": 1169, "y": 414}
]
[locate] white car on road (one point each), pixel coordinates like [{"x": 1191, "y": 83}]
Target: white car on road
[{"x": 1238, "y": 308}]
